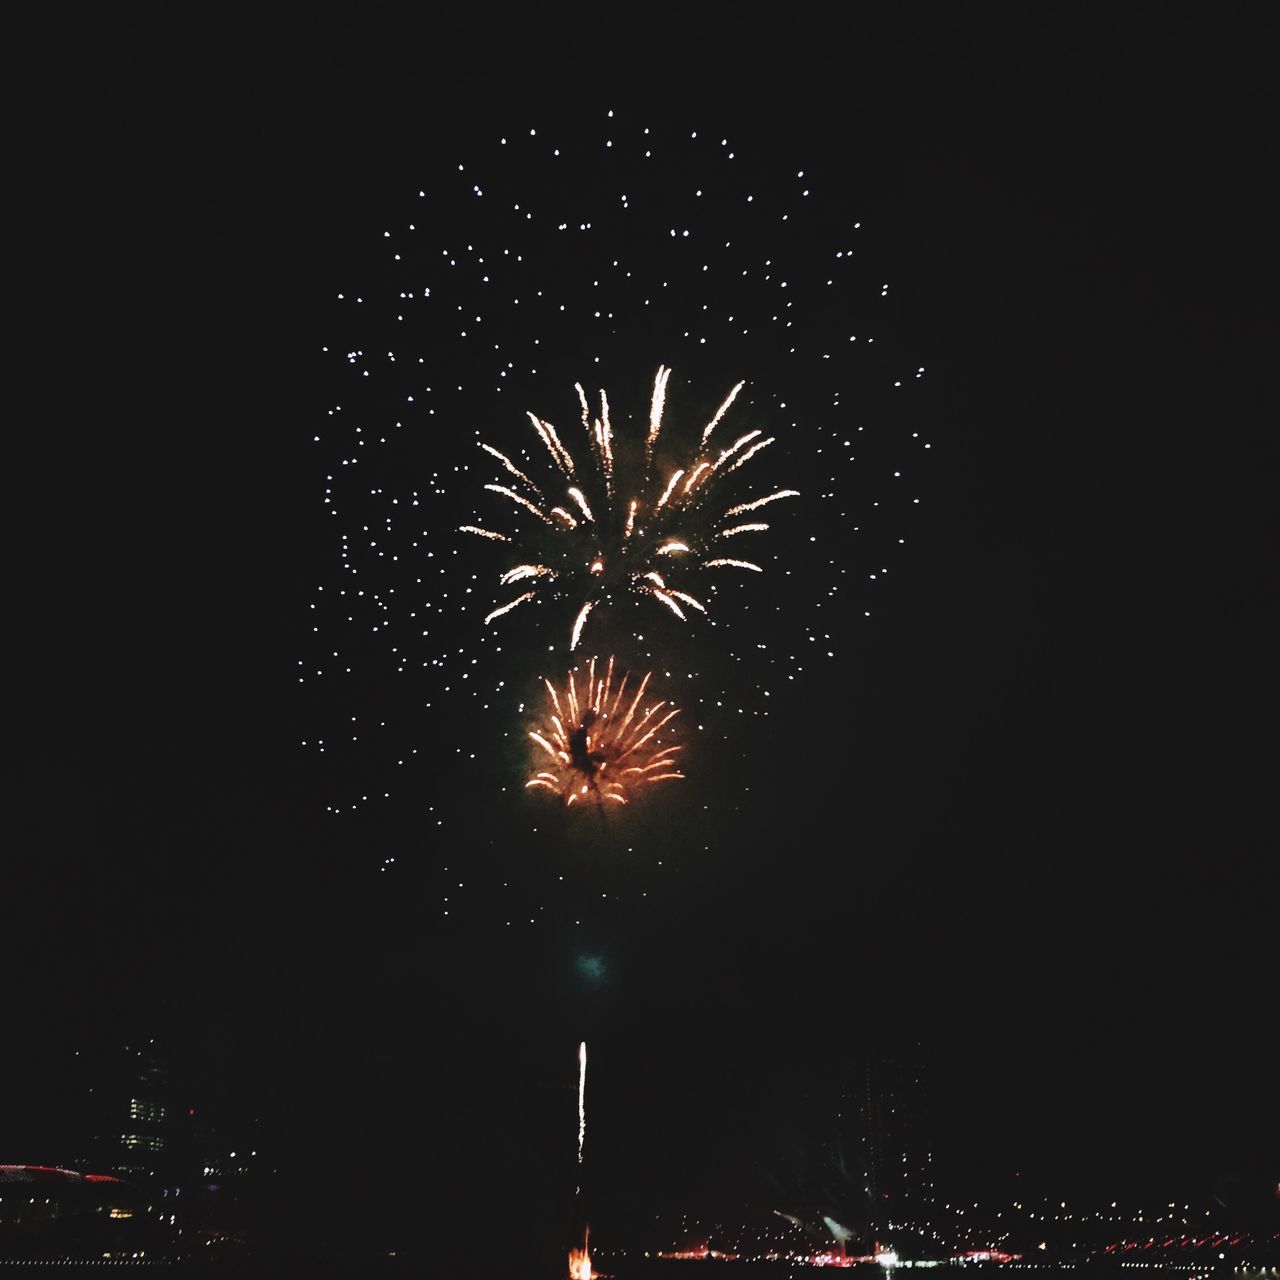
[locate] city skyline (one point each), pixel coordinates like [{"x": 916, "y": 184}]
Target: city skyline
[
  {"x": 978, "y": 771},
  {"x": 838, "y": 1194}
]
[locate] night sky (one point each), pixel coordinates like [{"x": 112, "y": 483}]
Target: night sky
[{"x": 1022, "y": 824}]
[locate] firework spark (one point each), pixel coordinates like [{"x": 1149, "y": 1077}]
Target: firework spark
[
  {"x": 601, "y": 543},
  {"x": 599, "y": 741},
  {"x": 725, "y": 562}
]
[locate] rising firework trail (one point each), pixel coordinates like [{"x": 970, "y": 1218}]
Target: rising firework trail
[
  {"x": 599, "y": 741},
  {"x": 580, "y": 1259},
  {"x": 630, "y": 523},
  {"x": 582, "y": 1098}
]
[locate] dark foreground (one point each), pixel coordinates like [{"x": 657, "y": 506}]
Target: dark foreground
[{"x": 512, "y": 1267}]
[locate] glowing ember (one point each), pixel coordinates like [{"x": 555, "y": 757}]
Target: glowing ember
[
  {"x": 598, "y": 545},
  {"x": 597, "y": 741},
  {"x": 580, "y": 1259}
]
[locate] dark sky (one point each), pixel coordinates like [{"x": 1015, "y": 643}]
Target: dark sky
[{"x": 1036, "y": 835}]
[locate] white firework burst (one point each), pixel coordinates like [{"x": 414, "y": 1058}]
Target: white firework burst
[{"x": 629, "y": 524}]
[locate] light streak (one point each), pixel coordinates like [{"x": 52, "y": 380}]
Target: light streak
[
  {"x": 506, "y": 608},
  {"x": 756, "y": 527},
  {"x": 631, "y": 710},
  {"x": 579, "y": 622},
  {"x": 726, "y": 454},
  {"x": 638, "y": 743},
  {"x": 694, "y": 474},
  {"x": 511, "y": 467},
  {"x": 544, "y": 436},
  {"x": 606, "y": 443},
  {"x": 732, "y": 564},
  {"x": 720, "y": 412},
  {"x": 572, "y": 698},
  {"x": 750, "y": 453},
  {"x": 672, "y": 549},
  {"x": 483, "y": 533},
  {"x": 526, "y": 571},
  {"x": 648, "y": 768},
  {"x": 689, "y": 600},
  {"x": 586, "y": 411},
  {"x": 559, "y": 454},
  {"x": 666, "y": 599},
  {"x": 582, "y": 1098},
  {"x": 666, "y": 493},
  {"x": 565, "y": 456},
  {"x": 656, "y": 406},
  {"x": 576, "y": 495},
  {"x": 743, "y": 507},
  {"x": 617, "y": 701},
  {"x": 580, "y": 1260},
  {"x": 555, "y": 700},
  {"x": 519, "y": 500}
]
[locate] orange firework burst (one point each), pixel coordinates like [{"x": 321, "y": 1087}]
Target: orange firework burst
[{"x": 597, "y": 742}]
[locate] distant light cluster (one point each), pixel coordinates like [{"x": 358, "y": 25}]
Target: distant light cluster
[{"x": 540, "y": 263}]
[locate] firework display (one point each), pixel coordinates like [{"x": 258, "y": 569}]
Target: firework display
[
  {"x": 510, "y": 468},
  {"x": 600, "y": 740},
  {"x": 633, "y": 527},
  {"x": 471, "y": 547}
]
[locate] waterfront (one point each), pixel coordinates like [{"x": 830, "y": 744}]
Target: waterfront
[{"x": 503, "y": 1267}]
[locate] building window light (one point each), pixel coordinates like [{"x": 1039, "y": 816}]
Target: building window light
[{"x": 147, "y": 1141}]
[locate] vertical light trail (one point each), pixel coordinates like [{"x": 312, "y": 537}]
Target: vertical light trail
[
  {"x": 606, "y": 443},
  {"x": 582, "y": 1098},
  {"x": 655, "y": 414}
]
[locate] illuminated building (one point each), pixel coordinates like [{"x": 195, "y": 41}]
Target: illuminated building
[
  {"x": 132, "y": 1121},
  {"x": 889, "y": 1126},
  {"x": 132, "y": 1114}
]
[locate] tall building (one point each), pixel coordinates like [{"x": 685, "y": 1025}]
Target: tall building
[
  {"x": 133, "y": 1115},
  {"x": 888, "y": 1115},
  {"x": 131, "y": 1119}
]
